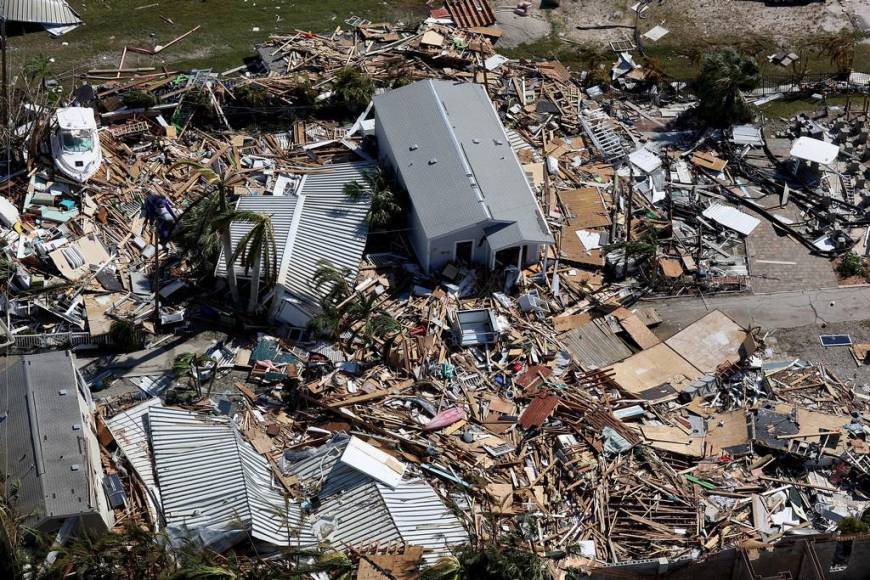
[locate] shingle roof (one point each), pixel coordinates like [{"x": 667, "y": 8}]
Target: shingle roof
[
  {"x": 39, "y": 11},
  {"x": 328, "y": 226},
  {"x": 41, "y": 436},
  {"x": 456, "y": 161}
]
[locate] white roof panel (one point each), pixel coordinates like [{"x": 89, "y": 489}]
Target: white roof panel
[
  {"x": 373, "y": 462},
  {"x": 645, "y": 160},
  {"x": 731, "y": 218},
  {"x": 815, "y": 150}
]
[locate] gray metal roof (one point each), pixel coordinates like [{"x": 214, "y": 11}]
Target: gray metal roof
[
  {"x": 132, "y": 432},
  {"x": 331, "y": 227},
  {"x": 38, "y": 11},
  {"x": 213, "y": 482},
  {"x": 363, "y": 512},
  {"x": 280, "y": 210},
  {"x": 42, "y": 426},
  {"x": 316, "y": 223},
  {"x": 457, "y": 162},
  {"x": 594, "y": 346}
]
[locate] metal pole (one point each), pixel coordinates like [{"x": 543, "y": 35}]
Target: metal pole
[
  {"x": 157, "y": 323},
  {"x": 5, "y": 79}
]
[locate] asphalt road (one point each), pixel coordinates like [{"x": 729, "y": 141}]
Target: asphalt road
[{"x": 769, "y": 311}]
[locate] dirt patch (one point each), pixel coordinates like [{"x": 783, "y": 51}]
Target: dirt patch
[
  {"x": 520, "y": 29},
  {"x": 709, "y": 21}
]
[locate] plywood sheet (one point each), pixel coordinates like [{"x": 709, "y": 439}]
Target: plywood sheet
[
  {"x": 637, "y": 330},
  {"x": 726, "y": 431},
  {"x": 652, "y": 367},
  {"x": 673, "y": 439},
  {"x": 586, "y": 208},
  {"x": 709, "y": 342}
]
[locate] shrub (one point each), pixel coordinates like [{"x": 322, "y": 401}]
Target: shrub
[
  {"x": 137, "y": 99},
  {"x": 850, "y": 265}
]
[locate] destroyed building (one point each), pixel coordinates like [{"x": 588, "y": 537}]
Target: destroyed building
[{"x": 557, "y": 356}]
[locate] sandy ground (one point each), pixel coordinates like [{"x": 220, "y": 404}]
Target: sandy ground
[
  {"x": 715, "y": 21},
  {"x": 520, "y": 29}
]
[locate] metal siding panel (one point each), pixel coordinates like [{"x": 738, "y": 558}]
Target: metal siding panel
[
  {"x": 130, "y": 433},
  {"x": 39, "y": 11},
  {"x": 211, "y": 478},
  {"x": 594, "y": 348},
  {"x": 423, "y": 519}
]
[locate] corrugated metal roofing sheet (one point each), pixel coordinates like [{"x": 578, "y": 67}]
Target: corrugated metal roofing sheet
[
  {"x": 423, "y": 519},
  {"x": 538, "y": 410},
  {"x": 132, "y": 432},
  {"x": 211, "y": 479},
  {"x": 328, "y": 226},
  {"x": 39, "y": 11},
  {"x": 331, "y": 227},
  {"x": 471, "y": 13},
  {"x": 279, "y": 209},
  {"x": 365, "y": 512}
]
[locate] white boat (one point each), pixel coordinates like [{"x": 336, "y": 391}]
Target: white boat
[{"x": 75, "y": 144}]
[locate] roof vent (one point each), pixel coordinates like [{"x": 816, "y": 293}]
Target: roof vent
[
  {"x": 62, "y": 392},
  {"x": 476, "y": 141},
  {"x": 498, "y": 141},
  {"x": 75, "y": 467},
  {"x": 77, "y": 427},
  {"x": 413, "y": 147},
  {"x": 433, "y": 161}
]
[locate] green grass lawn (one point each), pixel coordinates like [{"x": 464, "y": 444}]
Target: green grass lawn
[
  {"x": 226, "y": 36},
  {"x": 673, "y": 58},
  {"x": 787, "y": 108}
]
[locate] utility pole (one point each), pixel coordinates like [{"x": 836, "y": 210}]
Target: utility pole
[{"x": 5, "y": 74}]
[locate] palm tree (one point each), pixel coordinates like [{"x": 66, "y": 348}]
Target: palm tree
[
  {"x": 255, "y": 250},
  {"x": 379, "y": 190},
  {"x": 221, "y": 184},
  {"x": 196, "y": 235},
  {"x": 191, "y": 364},
  {"x": 127, "y": 335},
  {"x": 334, "y": 279},
  {"x": 13, "y": 557},
  {"x": 593, "y": 59},
  {"x": 341, "y": 309},
  {"x": 653, "y": 70},
  {"x": 840, "y": 48},
  {"x": 328, "y": 277},
  {"x": 497, "y": 561},
  {"x": 352, "y": 89},
  {"x": 133, "y": 553},
  {"x": 724, "y": 75},
  {"x": 364, "y": 316}
]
